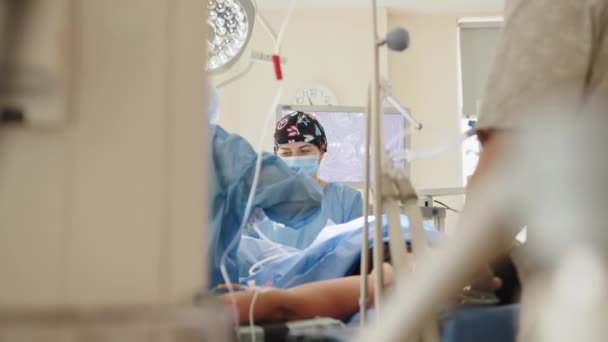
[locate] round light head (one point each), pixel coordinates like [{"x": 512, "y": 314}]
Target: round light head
[{"x": 230, "y": 27}]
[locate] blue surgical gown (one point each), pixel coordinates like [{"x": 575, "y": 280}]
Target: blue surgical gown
[
  {"x": 341, "y": 204},
  {"x": 334, "y": 253},
  {"x": 284, "y": 196}
]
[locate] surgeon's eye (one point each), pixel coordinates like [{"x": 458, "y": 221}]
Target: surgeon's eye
[{"x": 284, "y": 153}]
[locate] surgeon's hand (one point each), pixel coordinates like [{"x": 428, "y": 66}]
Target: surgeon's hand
[
  {"x": 482, "y": 289},
  {"x": 486, "y": 281},
  {"x": 256, "y": 217},
  {"x": 388, "y": 274}
]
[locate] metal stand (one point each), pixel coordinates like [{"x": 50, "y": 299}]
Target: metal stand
[
  {"x": 390, "y": 188},
  {"x": 398, "y": 190},
  {"x": 376, "y": 125}
]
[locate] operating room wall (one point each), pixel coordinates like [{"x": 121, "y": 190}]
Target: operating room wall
[
  {"x": 323, "y": 46},
  {"x": 425, "y": 78},
  {"x": 331, "y": 47},
  {"x": 109, "y": 207}
]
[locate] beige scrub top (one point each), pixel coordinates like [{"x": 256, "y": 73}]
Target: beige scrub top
[{"x": 552, "y": 57}]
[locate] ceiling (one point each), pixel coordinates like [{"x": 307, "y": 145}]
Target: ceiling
[{"x": 406, "y": 5}]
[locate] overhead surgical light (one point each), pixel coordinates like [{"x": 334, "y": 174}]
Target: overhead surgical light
[{"x": 231, "y": 25}]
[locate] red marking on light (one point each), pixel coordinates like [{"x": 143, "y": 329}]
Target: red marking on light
[{"x": 276, "y": 60}]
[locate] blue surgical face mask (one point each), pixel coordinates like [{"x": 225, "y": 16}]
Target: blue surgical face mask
[{"x": 305, "y": 164}]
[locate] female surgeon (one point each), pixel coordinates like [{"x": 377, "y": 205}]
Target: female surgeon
[
  {"x": 300, "y": 141},
  {"x": 232, "y": 170}
]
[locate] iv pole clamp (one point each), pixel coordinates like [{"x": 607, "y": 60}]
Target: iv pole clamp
[{"x": 398, "y": 191}]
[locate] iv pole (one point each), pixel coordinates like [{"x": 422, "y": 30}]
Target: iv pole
[
  {"x": 376, "y": 129},
  {"x": 390, "y": 188}
]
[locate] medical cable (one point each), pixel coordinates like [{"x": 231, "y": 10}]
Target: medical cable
[
  {"x": 447, "y": 206},
  {"x": 254, "y": 184},
  {"x": 264, "y": 22},
  {"x": 256, "y": 291},
  {"x": 251, "y": 319},
  {"x": 253, "y": 270},
  {"x": 254, "y": 56},
  {"x": 258, "y": 167},
  {"x": 411, "y": 156},
  {"x": 267, "y": 26},
  {"x": 252, "y": 60},
  {"x": 267, "y": 239},
  {"x": 283, "y": 28},
  {"x": 259, "y": 160},
  {"x": 401, "y": 137}
]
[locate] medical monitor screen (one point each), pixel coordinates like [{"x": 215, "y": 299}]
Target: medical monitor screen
[{"x": 345, "y": 130}]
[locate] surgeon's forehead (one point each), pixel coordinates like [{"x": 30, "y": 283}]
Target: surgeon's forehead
[{"x": 296, "y": 145}]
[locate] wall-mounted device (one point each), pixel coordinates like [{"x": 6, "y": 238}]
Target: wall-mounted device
[
  {"x": 345, "y": 130},
  {"x": 36, "y": 61}
]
